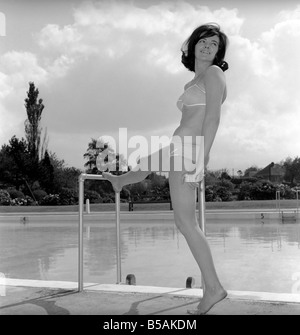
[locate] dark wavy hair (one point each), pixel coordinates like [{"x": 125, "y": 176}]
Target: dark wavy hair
[{"x": 206, "y": 30}]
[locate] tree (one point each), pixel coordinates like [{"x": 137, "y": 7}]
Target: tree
[
  {"x": 5, "y": 165},
  {"x": 20, "y": 158},
  {"x": 34, "y": 108},
  {"x": 92, "y": 152},
  {"x": 95, "y": 149},
  {"x": 63, "y": 177},
  {"x": 15, "y": 162},
  {"x": 248, "y": 171},
  {"x": 292, "y": 170},
  {"x": 158, "y": 187},
  {"x": 46, "y": 174},
  {"x": 211, "y": 178},
  {"x": 44, "y": 145},
  {"x": 225, "y": 175}
]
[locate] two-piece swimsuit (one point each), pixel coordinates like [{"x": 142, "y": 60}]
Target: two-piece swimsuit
[
  {"x": 183, "y": 150},
  {"x": 193, "y": 96}
]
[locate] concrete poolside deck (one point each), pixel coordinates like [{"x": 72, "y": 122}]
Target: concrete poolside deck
[{"x": 34, "y": 297}]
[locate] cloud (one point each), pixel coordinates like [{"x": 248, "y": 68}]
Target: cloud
[
  {"x": 16, "y": 70},
  {"x": 114, "y": 28},
  {"x": 18, "y": 66},
  {"x": 165, "y": 18},
  {"x": 263, "y": 109},
  {"x": 114, "y": 55},
  {"x": 51, "y": 36},
  {"x": 118, "y": 65}
]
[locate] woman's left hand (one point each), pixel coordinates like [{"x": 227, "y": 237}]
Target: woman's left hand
[{"x": 192, "y": 184}]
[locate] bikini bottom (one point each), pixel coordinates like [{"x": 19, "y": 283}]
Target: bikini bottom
[{"x": 178, "y": 155}]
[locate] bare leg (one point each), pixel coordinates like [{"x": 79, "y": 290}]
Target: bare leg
[
  {"x": 183, "y": 201},
  {"x": 118, "y": 182},
  {"x": 130, "y": 177}
]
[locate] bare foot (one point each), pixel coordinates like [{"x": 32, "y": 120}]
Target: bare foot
[
  {"x": 115, "y": 181},
  {"x": 208, "y": 301}
]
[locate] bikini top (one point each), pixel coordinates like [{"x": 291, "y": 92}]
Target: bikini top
[{"x": 194, "y": 95}]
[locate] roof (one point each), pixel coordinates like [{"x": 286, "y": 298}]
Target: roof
[{"x": 271, "y": 170}]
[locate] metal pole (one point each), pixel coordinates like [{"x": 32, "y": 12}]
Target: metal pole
[
  {"x": 117, "y": 203},
  {"x": 201, "y": 200},
  {"x": 201, "y": 206},
  {"x": 81, "y": 179},
  {"x": 80, "y": 238},
  {"x": 278, "y": 201}
]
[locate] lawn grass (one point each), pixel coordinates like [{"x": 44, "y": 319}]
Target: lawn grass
[{"x": 230, "y": 205}]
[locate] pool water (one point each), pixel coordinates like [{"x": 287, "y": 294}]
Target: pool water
[{"x": 248, "y": 255}]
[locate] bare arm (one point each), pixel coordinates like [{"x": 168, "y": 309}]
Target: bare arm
[{"x": 214, "y": 82}]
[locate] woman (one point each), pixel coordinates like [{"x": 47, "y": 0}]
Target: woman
[{"x": 203, "y": 53}]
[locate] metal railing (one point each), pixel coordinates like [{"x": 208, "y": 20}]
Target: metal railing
[
  {"x": 201, "y": 208},
  {"x": 201, "y": 205},
  {"x": 278, "y": 201},
  {"x": 278, "y": 204},
  {"x": 297, "y": 199},
  {"x": 81, "y": 179}
]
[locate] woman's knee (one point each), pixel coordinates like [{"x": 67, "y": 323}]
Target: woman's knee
[{"x": 185, "y": 223}]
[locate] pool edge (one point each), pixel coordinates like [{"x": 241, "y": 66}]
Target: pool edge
[{"x": 135, "y": 289}]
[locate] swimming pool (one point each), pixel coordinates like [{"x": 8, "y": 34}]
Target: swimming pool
[{"x": 249, "y": 255}]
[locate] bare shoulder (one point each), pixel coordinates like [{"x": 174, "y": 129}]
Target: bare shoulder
[
  {"x": 215, "y": 82},
  {"x": 214, "y": 79},
  {"x": 214, "y": 73}
]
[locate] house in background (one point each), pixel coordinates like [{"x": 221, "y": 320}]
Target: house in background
[
  {"x": 272, "y": 172},
  {"x": 250, "y": 174}
]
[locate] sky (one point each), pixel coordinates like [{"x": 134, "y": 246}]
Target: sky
[{"x": 105, "y": 65}]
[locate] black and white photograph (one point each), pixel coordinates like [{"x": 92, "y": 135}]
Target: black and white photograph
[{"x": 149, "y": 160}]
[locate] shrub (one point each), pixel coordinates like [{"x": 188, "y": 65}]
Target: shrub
[
  {"x": 25, "y": 201},
  {"x": 227, "y": 184},
  {"x": 138, "y": 188},
  {"x": 236, "y": 181},
  {"x": 50, "y": 200},
  {"x": 15, "y": 193},
  {"x": 125, "y": 194},
  {"x": 39, "y": 194},
  {"x": 18, "y": 202},
  {"x": 263, "y": 190},
  {"x": 223, "y": 193},
  {"x": 209, "y": 193},
  {"x": 4, "y": 198},
  {"x": 93, "y": 196},
  {"x": 286, "y": 192},
  {"x": 245, "y": 191},
  {"x": 30, "y": 201},
  {"x": 68, "y": 196},
  {"x": 250, "y": 180},
  {"x": 217, "y": 193},
  {"x": 295, "y": 188},
  {"x": 35, "y": 186},
  {"x": 108, "y": 200}
]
